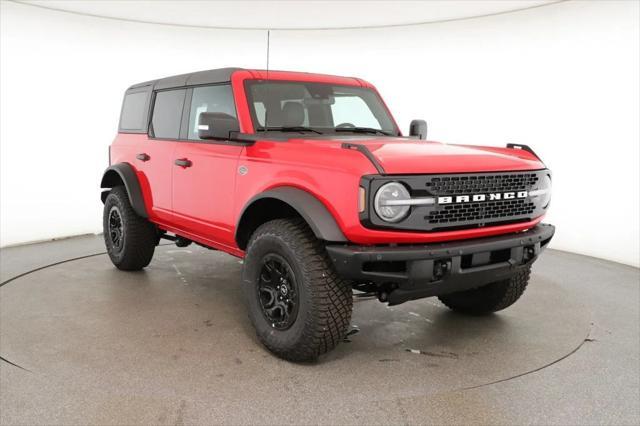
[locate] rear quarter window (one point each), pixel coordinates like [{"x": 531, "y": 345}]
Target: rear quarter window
[{"x": 134, "y": 112}]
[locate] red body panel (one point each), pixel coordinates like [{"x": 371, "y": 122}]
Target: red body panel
[
  {"x": 417, "y": 157},
  {"x": 203, "y": 202},
  {"x": 154, "y": 175}
]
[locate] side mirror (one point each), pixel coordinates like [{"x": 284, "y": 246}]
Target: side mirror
[
  {"x": 418, "y": 128},
  {"x": 217, "y": 125}
]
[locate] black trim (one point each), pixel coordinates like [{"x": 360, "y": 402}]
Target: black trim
[
  {"x": 365, "y": 151},
  {"x": 321, "y": 222},
  {"x": 420, "y": 185},
  {"x": 240, "y": 139},
  {"x": 523, "y": 148},
  {"x": 127, "y": 175},
  {"x": 220, "y": 75},
  {"x": 418, "y": 129},
  {"x": 413, "y": 269},
  {"x": 186, "y": 112},
  {"x": 183, "y": 162}
]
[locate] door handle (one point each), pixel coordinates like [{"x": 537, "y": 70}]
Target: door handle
[
  {"x": 143, "y": 157},
  {"x": 183, "y": 162}
]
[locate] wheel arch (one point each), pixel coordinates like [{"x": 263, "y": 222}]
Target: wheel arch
[
  {"x": 124, "y": 174},
  {"x": 285, "y": 202}
]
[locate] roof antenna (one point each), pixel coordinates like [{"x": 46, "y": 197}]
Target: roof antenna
[{"x": 266, "y": 109}]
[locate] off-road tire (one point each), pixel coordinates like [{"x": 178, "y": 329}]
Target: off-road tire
[
  {"x": 325, "y": 300},
  {"x": 489, "y": 298},
  {"x": 139, "y": 236}
]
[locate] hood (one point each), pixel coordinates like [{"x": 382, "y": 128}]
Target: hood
[{"x": 403, "y": 156}]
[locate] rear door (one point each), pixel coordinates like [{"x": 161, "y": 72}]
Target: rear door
[
  {"x": 205, "y": 171},
  {"x": 156, "y": 155}
]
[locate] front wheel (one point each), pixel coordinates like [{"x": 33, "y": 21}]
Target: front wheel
[
  {"x": 489, "y": 298},
  {"x": 297, "y": 303},
  {"x": 129, "y": 238}
]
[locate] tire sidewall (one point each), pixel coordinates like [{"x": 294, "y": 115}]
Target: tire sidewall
[
  {"x": 114, "y": 200},
  {"x": 275, "y": 339}
]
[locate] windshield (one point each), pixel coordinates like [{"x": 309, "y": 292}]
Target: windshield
[{"x": 287, "y": 106}]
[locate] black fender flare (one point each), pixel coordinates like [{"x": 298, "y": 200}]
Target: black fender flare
[
  {"x": 128, "y": 177},
  {"x": 319, "y": 219}
]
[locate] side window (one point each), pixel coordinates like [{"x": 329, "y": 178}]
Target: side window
[
  {"x": 134, "y": 110},
  {"x": 209, "y": 99},
  {"x": 167, "y": 114}
]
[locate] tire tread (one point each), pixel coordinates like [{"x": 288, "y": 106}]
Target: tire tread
[
  {"x": 491, "y": 298},
  {"x": 141, "y": 237},
  {"x": 331, "y": 297}
]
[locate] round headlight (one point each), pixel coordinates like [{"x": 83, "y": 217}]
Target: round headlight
[
  {"x": 388, "y": 202},
  {"x": 546, "y": 187},
  {"x": 543, "y": 192}
]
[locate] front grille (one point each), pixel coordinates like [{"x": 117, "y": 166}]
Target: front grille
[
  {"x": 478, "y": 184},
  {"x": 458, "y": 211},
  {"x": 492, "y": 211}
]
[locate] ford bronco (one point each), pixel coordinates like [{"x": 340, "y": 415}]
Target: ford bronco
[{"x": 308, "y": 179}]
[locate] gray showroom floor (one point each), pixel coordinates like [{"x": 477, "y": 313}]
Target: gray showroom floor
[{"x": 84, "y": 343}]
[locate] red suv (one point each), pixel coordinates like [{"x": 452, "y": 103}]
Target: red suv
[{"x": 308, "y": 178}]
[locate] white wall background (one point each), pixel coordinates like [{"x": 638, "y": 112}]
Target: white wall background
[{"x": 562, "y": 78}]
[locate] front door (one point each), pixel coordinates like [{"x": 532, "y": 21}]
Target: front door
[{"x": 204, "y": 172}]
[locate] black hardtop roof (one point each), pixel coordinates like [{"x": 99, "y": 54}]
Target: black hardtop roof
[{"x": 220, "y": 75}]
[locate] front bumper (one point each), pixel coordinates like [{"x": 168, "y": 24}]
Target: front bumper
[{"x": 417, "y": 271}]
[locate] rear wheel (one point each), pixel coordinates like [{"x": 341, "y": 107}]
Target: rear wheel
[
  {"x": 489, "y": 298},
  {"x": 129, "y": 238},
  {"x": 298, "y": 305}
]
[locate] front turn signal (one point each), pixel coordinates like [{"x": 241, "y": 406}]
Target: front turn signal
[{"x": 362, "y": 199}]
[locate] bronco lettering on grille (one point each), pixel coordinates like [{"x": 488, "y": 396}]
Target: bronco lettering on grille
[{"x": 482, "y": 197}]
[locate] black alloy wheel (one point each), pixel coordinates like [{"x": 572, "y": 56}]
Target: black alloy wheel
[
  {"x": 278, "y": 292},
  {"x": 116, "y": 230}
]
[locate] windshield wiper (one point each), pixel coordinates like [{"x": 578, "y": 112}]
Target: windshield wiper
[
  {"x": 289, "y": 129},
  {"x": 362, "y": 130}
]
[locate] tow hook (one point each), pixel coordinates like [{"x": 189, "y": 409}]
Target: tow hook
[
  {"x": 529, "y": 253},
  {"x": 440, "y": 268},
  {"x": 384, "y": 291}
]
